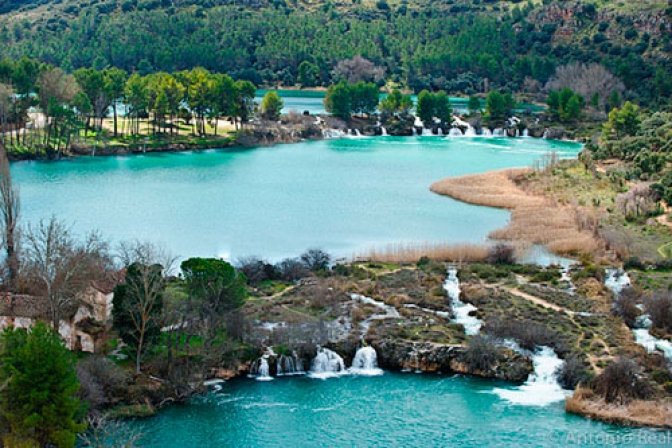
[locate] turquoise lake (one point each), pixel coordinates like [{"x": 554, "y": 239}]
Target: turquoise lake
[
  {"x": 393, "y": 410},
  {"x": 343, "y": 195},
  {"x": 312, "y": 101}
]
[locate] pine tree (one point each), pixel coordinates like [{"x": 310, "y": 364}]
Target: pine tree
[{"x": 38, "y": 406}]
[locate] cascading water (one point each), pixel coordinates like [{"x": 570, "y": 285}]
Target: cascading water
[
  {"x": 651, "y": 343},
  {"x": 290, "y": 365},
  {"x": 263, "y": 370},
  {"x": 365, "y": 362},
  {"x": 487, "y": 132},
  {"x": 526, "y": 133},
  {"x": 383, "y": 131},
  {"x": 439, "y": 131},
  {"x": 461, "y": 310},
  {"x": 545, "y": 135},
  {"x": 455, "y": 132},
  {"x": 617, "y": 280},
  {"x": 426, "y": 132},
  {"x": 333, "y": 133},
  {"x": 470, "y": 132},
  {"x": 327, "y": 364},
  {"x": 542, "y": 388},
  {"x": 499, "y": 132}
]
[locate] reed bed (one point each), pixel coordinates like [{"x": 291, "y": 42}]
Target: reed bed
[
  {"x": 535, "y": 219},
  {"x": 409, "y": 252},
  {"x": 638, "y": 412}
]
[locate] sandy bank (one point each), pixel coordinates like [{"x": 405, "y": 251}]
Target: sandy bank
[{"x": 535, "y": 219}]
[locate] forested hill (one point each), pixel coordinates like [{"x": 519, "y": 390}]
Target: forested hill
[{"x": 457, "y": 45}]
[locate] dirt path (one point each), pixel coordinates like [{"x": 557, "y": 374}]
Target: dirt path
[{"x": 538, "y": 301}]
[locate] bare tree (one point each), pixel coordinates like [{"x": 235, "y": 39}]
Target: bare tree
[
  {"x": 358, "y": 69},
  {"x": 138, "y": 302},
  {"x": 586, "y": 80},
  {"x": 10, "y": 206},
  {"x": 61, "y": 269},
  {"x": 106, "y": 433}
]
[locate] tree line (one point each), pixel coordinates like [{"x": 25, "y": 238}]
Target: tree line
[{"x": 75, "y": 104}]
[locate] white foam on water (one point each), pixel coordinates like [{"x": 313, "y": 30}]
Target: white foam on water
[{"x": 541, "y": 388}]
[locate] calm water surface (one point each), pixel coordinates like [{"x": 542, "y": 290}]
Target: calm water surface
[
  {"x": 393, "y": 410},
  {"x": 342, "y": 195}
]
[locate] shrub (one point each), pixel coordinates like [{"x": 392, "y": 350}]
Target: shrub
[
  {"x": 291, "y": 270},
  {"x": 316, "y": 259},
  {"x": 659, "y": 307},
  {"x": 621, "y": 382},
  {"x": 501, "y": 254},
  {"x": 481, "y": 353},
  {"x": 633, "y": 263},
  {"x": 527, "y": 334},
  {"x": 572, "y": 372},
  {"x": 625, "y": 306},
  {"x": 102, "y": 382},
  {"x": 257, "y": 270}
]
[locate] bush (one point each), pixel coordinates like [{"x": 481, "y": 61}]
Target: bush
[
  {"x": 501, "y": 254},
  {"x": 316, "y": 259},
  {"x": 481, "y": 353},
  {"x": 659, "y": 307},
  {"x": 633, "y": 263},
  {"x": 621, "y": 382},
  {"x": 291, "y": 270},
  {"x": 527, "y": 334},
  {"x": 572, "y": 372},
  {"x": 625, "y": 306},
  {"x": 257, "y": 270},
  {"x": 102, "y": 382}
]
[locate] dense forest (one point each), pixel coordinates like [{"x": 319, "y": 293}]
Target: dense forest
[{"x": 458, "y": 46}]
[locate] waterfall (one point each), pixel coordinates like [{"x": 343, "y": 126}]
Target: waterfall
[
  {"x": 617, "y": 280},
  {"x": 545, "y": 135},
  {"x": 426, "y": 132},
  {"x": 541, "y": 388},
  {"x": 526, "y": 133},
  {"x": 455, "y": 132},
  {"x": 499, "y": 132},
  {"x": 415, "y": 131},
  {"x": 357, "y": 133},
  {"x": 517, "y": 132},
  {"x": 327, "y": 364},
  {"x": 365, "y": 362},
  {"x": 487, "y": 132},
  {"x": 439, "y": 131},
  {"x": 333, "y": 133},
  {"x": 462, "y": 311},
  {"x": 470, "y": 132},
  {"x": 290, "y": 365},
  {"x": 651, "y": 343},
  {"x": 260, "y": 369},
  {"x": 383, "y": 131}
]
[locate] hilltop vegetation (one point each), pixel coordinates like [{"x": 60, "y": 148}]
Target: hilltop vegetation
[{"x": 453, "y": 45}]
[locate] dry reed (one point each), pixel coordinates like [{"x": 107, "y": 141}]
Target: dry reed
[
  {"x": 657, "y": 414},
  {"x": 412, "y": 252},
  {"x": 534, "y": 219}
]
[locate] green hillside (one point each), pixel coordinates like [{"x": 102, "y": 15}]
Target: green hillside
[{"x": 458, "y": 45}]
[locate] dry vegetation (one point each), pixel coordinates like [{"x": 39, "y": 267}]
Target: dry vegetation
[
  {"x": 535, "y": 218},
  {"x": 655, "y": 414},
  {"x": 412, "y": 252}
]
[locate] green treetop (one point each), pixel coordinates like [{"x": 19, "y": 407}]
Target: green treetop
[
  {"x": 38, "y": 406},
  {"x": 271, "y": 106}
]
